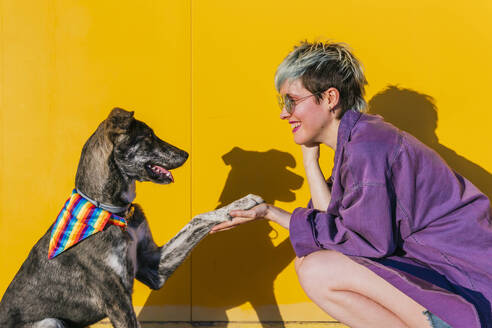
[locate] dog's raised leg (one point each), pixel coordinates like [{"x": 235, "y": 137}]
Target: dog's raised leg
[
  {"x": 177, "y": 249},
  {"x": 172, "y": 254}
]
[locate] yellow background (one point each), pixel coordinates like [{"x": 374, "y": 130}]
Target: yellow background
[{"x": 200, "y": 72}]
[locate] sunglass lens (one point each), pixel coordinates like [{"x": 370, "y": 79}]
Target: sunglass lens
[
  {"x": 285, "y": 102},
  {"x": 288, "y": 104},
  {"x": 280, "y": 101}
]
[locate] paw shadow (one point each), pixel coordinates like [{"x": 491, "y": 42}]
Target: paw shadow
[{"x": 240, "y": 266}]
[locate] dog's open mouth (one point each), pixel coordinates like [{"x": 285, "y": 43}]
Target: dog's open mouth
[{"x": 159, "y": 173}]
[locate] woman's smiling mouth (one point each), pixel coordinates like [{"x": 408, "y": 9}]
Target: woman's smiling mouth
[{"x": 295, "y": 125}]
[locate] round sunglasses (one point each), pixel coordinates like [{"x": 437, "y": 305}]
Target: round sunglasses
[{"x": 289, "y": 103}]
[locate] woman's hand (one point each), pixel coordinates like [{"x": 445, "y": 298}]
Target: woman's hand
[
  {"x": 239, "y": 217},
  {"x": 261, "y": 211},
  {"x": 310, "y": 154},
  {"x": 320, "y": 194}
]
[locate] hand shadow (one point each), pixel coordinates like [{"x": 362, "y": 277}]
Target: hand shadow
[
  {"x": 416, "y": 113},
  {"x": 240, "y": 265}
]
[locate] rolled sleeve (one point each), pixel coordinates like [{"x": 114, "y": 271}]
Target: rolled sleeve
[
  {"x": 301, "y": 232},
  {"x": 363, "y": 226}
]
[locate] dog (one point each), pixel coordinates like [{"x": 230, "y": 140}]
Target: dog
[{"x": 93, "y": 279}]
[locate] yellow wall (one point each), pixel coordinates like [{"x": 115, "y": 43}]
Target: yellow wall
[{"x": 201, "y": 74}]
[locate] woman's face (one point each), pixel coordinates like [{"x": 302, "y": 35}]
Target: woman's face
[{"x": 309, "y": 120}]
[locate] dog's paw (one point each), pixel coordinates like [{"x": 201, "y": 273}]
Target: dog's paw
[
  {"x": 222, "y": 214},
  {"x": 256, "y": 198},
  {"x": 245, "y": 203}
]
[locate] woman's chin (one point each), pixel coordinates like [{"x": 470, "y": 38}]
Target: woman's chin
[
  {"x": 298, "y": 141},
  {"x": 301, "y": 140}
]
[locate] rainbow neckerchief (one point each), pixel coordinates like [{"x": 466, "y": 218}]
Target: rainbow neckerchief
[{"x": 78, "y": 220}]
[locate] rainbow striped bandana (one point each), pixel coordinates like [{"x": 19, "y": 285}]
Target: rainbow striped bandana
[{"x": 78, "y": 220}]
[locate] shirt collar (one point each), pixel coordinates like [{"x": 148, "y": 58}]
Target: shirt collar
[{"x": 347, "y": 123}]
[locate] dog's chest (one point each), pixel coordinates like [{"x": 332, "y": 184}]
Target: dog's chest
[
  {"x": 122, "y": 258},
  {"x": 131, "y": 254}
]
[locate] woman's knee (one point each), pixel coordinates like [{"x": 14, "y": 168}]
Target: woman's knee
[{"x": 321, "y": 269}]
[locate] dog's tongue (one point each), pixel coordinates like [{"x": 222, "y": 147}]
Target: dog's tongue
[{"x": 162, "y": 170}]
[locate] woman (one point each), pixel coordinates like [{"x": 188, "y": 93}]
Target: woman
[{"x": 395, "y": 238}]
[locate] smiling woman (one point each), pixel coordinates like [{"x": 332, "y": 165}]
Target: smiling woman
[
  {"x": 414, "y": 235},
  {"x": 310, "y": 123}
]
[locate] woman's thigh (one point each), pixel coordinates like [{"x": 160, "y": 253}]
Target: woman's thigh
[{"x": 325, "y": 272}]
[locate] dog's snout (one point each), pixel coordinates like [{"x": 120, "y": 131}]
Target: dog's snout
[
  {"x": 182, "y": 157},
  {"x": 175, "y": 157}
]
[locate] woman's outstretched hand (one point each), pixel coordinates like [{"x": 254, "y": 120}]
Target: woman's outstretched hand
[
  {"x": 239, "y": 217},
  {"x": 261, "y": 211}
]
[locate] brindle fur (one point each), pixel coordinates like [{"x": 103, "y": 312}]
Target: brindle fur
[{"x": 94, "y": 279}]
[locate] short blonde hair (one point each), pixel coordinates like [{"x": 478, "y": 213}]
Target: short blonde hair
[{"x": 321, "y": 65}]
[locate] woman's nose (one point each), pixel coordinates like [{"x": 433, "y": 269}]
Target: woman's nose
[{"x": 284, "y": 114}]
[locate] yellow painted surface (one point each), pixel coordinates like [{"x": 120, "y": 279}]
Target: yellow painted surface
[
  {"x": 65, "y": 65},
  {"x": 200, "y": 72}
]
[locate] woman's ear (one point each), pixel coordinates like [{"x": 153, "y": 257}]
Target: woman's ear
[{"x": 331, "y": 96}]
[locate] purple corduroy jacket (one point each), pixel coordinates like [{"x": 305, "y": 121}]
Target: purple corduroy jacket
[{"x": 397, "y": 208}]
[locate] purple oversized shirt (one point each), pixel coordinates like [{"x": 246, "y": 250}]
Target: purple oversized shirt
[{"x": 398, "y": 209}]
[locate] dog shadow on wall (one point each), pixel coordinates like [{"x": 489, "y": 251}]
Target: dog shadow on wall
[
  {"x": 416, "y": 113},
  {"x": 240, "y": 265}
]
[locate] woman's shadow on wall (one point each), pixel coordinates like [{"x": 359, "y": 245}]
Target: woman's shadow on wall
[
  {"x": 240, "y": 265},
  {"x": 417, "y": 114}
]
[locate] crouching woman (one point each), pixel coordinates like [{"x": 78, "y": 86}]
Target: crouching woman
[{"x": 394, "y": 238}]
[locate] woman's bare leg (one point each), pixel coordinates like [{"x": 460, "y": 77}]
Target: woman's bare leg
[{"x": 354, "y": 295}]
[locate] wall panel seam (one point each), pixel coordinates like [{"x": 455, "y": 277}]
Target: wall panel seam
[{"x": 191, "y": 148}]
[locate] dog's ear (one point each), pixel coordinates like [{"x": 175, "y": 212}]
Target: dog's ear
[{"x": 118, "y": 122}]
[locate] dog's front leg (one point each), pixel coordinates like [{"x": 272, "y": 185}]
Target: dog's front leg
[
  {"x": 121, "y": 313},
  {"x": 124, "y": 318},
  {"x": 177, "y": 249}
]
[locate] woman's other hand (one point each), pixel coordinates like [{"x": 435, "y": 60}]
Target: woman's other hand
[
  {"x": 320, "y": 193},
  {"x": 310, "y": 154}
]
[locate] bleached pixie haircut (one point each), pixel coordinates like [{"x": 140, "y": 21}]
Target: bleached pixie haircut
[{"x": 321, "y": 65}]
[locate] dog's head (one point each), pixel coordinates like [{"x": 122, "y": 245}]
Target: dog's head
[{"x": 138, "y": 152}]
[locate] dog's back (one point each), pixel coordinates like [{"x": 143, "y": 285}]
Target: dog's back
[{"x": 74, "y": 285}]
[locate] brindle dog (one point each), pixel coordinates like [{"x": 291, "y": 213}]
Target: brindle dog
[{"x": 94, "y": 279}]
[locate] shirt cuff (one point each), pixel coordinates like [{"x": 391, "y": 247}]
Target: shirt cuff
[{"x": 301, "y": 232}]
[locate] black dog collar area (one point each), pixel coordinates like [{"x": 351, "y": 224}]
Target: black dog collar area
[{"x": 106, "y": 207}]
